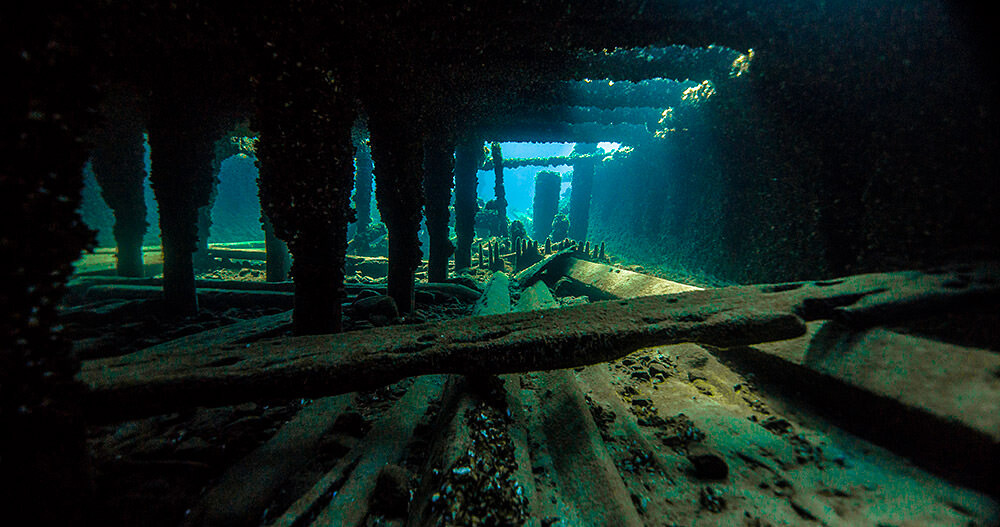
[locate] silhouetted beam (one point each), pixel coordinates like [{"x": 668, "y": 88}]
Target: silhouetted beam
[
  {"x": 604, "y": 93},
  {"x": 716, "y": 63},
  {"x": 517, "y": 162},
  {"x": 566, "y": 132},
  {"x": 644, "y": 115},
  {"x": 167, "y": 378}
]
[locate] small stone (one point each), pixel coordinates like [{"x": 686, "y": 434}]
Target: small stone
[
  {"x": 658, "y": 368},
  {"x": 712, "y": 500},
  {"x": 777, "y": 425},
  {"x": 640, "y": 375},
  {"x": 351, "y": 424},
  {"x": 375, "y": 306},
  {"x": 644, "y": 402},
  {"x": 706, "y": 464}
]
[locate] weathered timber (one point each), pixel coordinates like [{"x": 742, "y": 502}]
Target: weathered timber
[
  {"x": 278, "y": 261},
  {"x": 352, "y": 480},
  {"x": 894, "y": 388},
  {"x": 112, "y": 287},
  {"x": 244, "y": 490},
  {"x": 552, "y": 161},
  {"x": 605, "y": 282},
  {"x": 468, "y": 158},
  {"x": 208, "y": 297},
  {"x": 439, "y": 177},
  {"x": 905, "y": 392},
  {"x": 254, "y": 255},
  {"x": 578, "y": 459},
  {"x": 311, "y": 366},
  {"x": 546, "y": 202}
]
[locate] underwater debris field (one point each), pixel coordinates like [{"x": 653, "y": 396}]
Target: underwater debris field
[{"x": 668, "y": 435}]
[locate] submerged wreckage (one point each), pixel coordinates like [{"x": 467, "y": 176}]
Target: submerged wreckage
[{"x": 808, "y": 175}]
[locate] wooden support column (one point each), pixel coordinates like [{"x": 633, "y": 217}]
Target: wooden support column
[
  {"x": 582, "y": 187},
  {"x": 181, "y": 140},
  {"x": 306, "y": 163},
  {"x": 49, "y": 103},
  {"x": 439, "y": 167},
  {"x": 498, "y": 188},
  {"x": 398, "y": 152},
  {"x": 546, "y": 203},
  {"x": 468, "y": 158},
  {"x": 224, "y": 148},
  {"x": 119, "y": 166},
  {"x": 278, "y": 260},
  {"x": 362, "y": 177}
]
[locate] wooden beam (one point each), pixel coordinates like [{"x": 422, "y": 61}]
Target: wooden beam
[{"x": 148, "y": 382}]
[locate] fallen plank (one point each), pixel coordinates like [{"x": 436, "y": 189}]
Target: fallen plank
[
  {"x": 352, "y": 479},
  {"x": 244, "y": 490},
  {"x": 81, "y": 284},
  {"x": 206, "y": 297},
  {"x": 934, "y": 402},
  {"x": 109, "y": 286},
  {"x": 313, "y": 366},
  {"x": 580, "y": 461},
  {"x": 579, "y": 458},
  {"x": 614, "y": 282},
  {"x": 455, "y": 435},
  {"x": 897, "y": 382},
  {"x": 256, "y": 255}
]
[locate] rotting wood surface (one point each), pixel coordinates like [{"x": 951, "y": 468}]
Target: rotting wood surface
[{"x": 145, "y": 382}]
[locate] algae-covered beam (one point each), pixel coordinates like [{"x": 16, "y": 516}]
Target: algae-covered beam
[
  {"x": 119, "y": 166},
  {"x": 648, "y": 116},
  {"x": 439, "y": 168},
  {"x": 313, "y": 366},
  {"x": 553, "y": 161},
  {"x": 362, "y": 174},
  {"x": 181, "y": 140},
  {"x": 670, "y": 62},
  {"x": 566, "y": 132},
  {"x": 306, "y": 163},
  {"x": 398, "y": 153},
  {"x": 468, "y": 159},
  {"x": 582, "y": 188},
  {"x": 500, "y": 203},
  {"x": 604, "y": 93},
  {"x": 49, "y": 101}
]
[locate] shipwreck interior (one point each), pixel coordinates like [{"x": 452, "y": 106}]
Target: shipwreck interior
[{"x": 548, "y": 263}]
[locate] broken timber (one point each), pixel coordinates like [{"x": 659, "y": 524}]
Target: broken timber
[{"x": 147, "y": 382}]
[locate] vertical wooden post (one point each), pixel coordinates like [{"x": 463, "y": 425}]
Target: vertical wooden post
[
  {"x": 468, "y": 159},
  {"x": 581, "y": 190},
  {"x": 119, "y": 166},
  {"x": 439, "y": 167}
]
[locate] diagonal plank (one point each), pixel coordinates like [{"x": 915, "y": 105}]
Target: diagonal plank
[{"x": 164, "y": 379}]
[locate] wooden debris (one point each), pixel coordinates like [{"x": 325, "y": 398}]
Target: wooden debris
[
  {"x": 614, "y": 282},
  {"x": 883, "y": 372},
  {"x": 206, "y": 297},
  {"x": 242, "y": 493},
  {"x": 113, "y": 286},
  {"x": 353, "y": 477},
  {"x": 310, "y": 366},
  {"x": 580, "y": 461}
]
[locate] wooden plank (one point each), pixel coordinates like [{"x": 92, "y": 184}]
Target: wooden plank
[
  {"x": 313, "y": 366},
  {"x": 580, "y": 461},
  {"x": 620, "y": 283},
  {"x": 352, "y": 479},
  {"x": 244, "y": 490}
]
